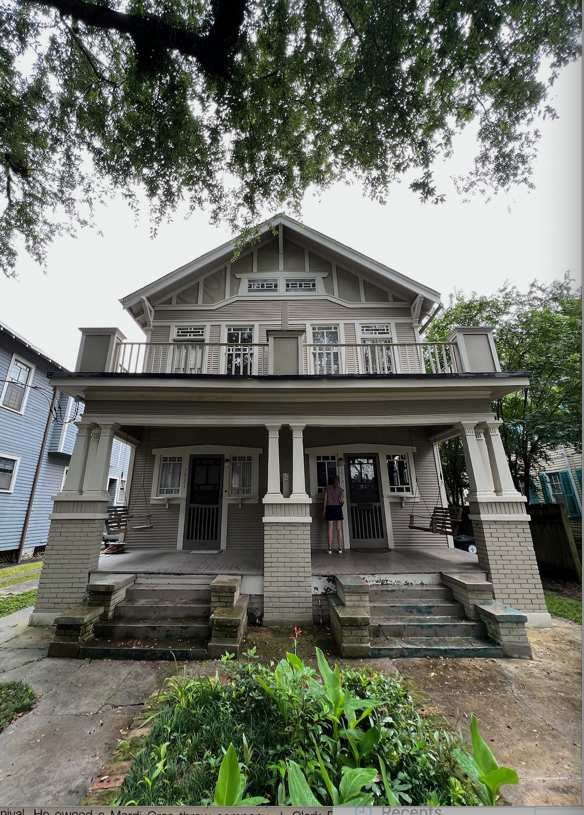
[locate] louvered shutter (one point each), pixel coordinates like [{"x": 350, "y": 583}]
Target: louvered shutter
[
  {"x": 568, "y": 489},
  {"x": 545, "y": 487},
  {"x": 579, "y": 477}
]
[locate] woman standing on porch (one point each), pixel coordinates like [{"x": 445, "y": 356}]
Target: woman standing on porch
[{"x": 334, "y": 498}]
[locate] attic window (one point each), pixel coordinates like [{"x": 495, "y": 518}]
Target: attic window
[
  {"x": 191, "y": 332},
  {"x": 296, "y": 284},
  {"x": 263, "y": 284}
]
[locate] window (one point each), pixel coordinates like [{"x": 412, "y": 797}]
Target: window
[
  {"x": 299, "y": 285},
  {"x": 170, "y": 470},
  {"x": 190, "y": 332},
  {"x": 8, "y": 469},
  {"x": 15, "y": 389},
  {"x": 325, "y": 357},
  {"x": 326, "y": 468},
  {"x": 377, "y": 353},
  {"x": 262, "y": 284},
  {"x": 241, "y": 475},
  {"x": 398, "y": 473},
  {"x": 239, "y": 351}
]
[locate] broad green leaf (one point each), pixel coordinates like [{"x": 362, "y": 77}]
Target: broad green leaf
[
  {"x": 300, "y": 793},
  {"x": 330, "y": 678},
  {"x": 332, "y": 790},
  {"x": 227, "y": 791},
  {"x": 354, "y": 780},
  {"x": 369, "y": 741},
  {"x": 254, "y": 801},
  {"x": 359, "y": 704},
  {"x": 469, "y": 766},
  {"x": 480, "y": 752},
  {"x": 295, "y": 661},
  {"x": 389, "y": 794},
  {"x": 502, "y": 775}
]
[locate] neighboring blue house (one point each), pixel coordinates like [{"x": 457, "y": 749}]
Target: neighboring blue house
[{"x": 34, "y": 420}]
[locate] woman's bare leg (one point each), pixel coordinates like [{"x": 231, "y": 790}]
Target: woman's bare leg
[
  {"x": 330, "y": 534},
  {"x": 339, "y": 535}
]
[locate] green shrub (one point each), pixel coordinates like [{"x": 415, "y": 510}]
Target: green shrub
[{"x": 15, "y": 698}]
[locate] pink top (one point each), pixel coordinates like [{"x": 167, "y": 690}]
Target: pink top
[{"x": 333, "y": 496}]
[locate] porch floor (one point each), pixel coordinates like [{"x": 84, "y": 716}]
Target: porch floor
[{"x": 414, "y": 560}]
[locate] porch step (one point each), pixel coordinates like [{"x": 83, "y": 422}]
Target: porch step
[
  {"x": 99, "y": 648},
  {"x": 427, "y": 627},
  {"x": 154, "y": 591},
  {"x": 417, "y": 607},
  {"x": 453, "y": 647},
  {"x": 157, "y": 609},
  {"x": 163, "y": 629},
  {"x": 418, "y": 591}
]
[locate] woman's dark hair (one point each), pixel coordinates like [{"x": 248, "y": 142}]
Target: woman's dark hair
[{"x": 332, "y": 479}]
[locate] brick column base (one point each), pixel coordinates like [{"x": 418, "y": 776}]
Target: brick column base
[
  {"x": 505, "y": 551},
  {"x": 287, "y": 573},
  {"x": 72, "y": 552}
]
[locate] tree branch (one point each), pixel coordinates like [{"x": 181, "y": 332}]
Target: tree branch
[{"x": 213, "y": 51}]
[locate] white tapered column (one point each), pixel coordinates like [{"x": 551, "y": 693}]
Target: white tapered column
[
  {"x": 482, "y": 445},
  {"x": 481, "y": 485},
  {"x": 298, "y": 474},
  {"x": 502, "y": 478},
  {"x": 274, "y": 460},
  {"x": 96, "y": 476},
  {"x": 76, "y": 472}
]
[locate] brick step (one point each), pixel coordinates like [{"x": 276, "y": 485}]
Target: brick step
[
  {"x": 424, "y": 627},
  {"x": 147, "y": 629},
  {"x": 154, "y": 591},
  {"x": 419, "y": 591},
  {"x": 152, "y": 609},
  {"x": 156, "y": 649},
  {"x": 417, "y": 608},
  {"x": 450, "y": 647}
]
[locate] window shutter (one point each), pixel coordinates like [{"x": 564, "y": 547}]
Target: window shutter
[
  {"x": 533, "y": 496},
  {"x": 568, "y": 490},
  {"x": 579, "y": 477},
  {"x": 547, "y": 496}
]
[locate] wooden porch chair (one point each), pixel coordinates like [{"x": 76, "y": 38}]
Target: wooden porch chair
[
  {"x": 443, "y": 521},
  {"x": 119, "y": 517}
]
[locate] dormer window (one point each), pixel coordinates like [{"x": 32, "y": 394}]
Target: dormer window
[
  {"x": 300, "y": 285},
  {"x": 267, "y": 284}
]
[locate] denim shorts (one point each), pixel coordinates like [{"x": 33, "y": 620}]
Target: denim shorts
[{"x": 334, "y": 512}]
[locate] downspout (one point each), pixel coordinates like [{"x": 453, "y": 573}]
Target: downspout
[{"x": 37, "y": 473}]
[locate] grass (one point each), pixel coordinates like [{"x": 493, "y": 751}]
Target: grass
[
  {"x": 15, "y": 698},
  {"x": 23, "y": 568},
  {"x": 13, "y": 581},
  {"x": 563, "y": 607},
  {"x": 14, "y": 602}
]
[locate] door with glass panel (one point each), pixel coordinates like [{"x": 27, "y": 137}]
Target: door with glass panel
[
  {"x": 376, "y": 351},
  {"x": 364, "y": 502},
  {"x": 325, "y": 350},
  {"x": 203, "y": 508},
  {"x": 239, "y": 353}
]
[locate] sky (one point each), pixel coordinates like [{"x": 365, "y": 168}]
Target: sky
[{"x": 473, "y": 246}]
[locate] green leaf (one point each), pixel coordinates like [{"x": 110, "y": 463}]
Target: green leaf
[
  {"x": 469, "y": 766},
  {"x": 330, "y": 678},
  {"x": 295, "y": 661},
  {"x": 300, "y": 793},
  {"x": 480, "y": 752},
  {"x": 254, "y": 801},
  {"x": 354, "y": 780},
  {"x": 369, "y": 741},
  {"x": 502, "y": 775},
  {"x": 389, "y": 794},
  {"x": 227, "y": 791},
  {"x": 332, "y": 790}
]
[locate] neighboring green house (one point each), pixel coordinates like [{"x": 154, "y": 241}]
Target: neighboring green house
[{"x": 561, "y": 481}]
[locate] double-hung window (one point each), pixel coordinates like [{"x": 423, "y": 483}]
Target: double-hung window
[
  {"x": 170, "y": 471},
  {"x": 241, "y": 475},
  {"x": 326, "y": 469},
  {"x": 14, "y": 393},
  {"x": 376, "y": 353},
  {"x": 8, "y": 470},
  {"x": 398, "y": 474},
  {"x": 325, "y": 350}
]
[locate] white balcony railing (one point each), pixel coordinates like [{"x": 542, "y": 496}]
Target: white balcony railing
[{"x": 253, "y": 358}]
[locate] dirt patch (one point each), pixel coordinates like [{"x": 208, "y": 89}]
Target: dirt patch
[{"x": 572, "y": 591}]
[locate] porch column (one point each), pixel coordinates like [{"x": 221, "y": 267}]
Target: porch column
[
  {"x": 274, "y": 460},
  {"x": 298, "y": 473},
  {"x": 95, "y": 484},
  {"x": 481, "y": 485},
  {"x": 91, "y": 454},
  {"x": 76, "y": 472},
  {"x": 483, "y": 450},
  {"x": 503, "y": 481}
]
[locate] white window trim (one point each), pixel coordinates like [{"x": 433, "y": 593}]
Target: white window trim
[
  {"x": 17, "y": 460},
  {"x": 65, "y": 471},
  {"x": 281, "y": 275},
  {"x": 119, "y": 490},
  {"x": 26, "y": 387}
]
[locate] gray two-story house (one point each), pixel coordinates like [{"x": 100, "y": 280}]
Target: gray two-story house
[{"x": 259, "y": 379}]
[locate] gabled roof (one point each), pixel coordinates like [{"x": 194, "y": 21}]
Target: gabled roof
[
  {"x": 15, "y": 336},
  {"x": 403, "y": 286}
]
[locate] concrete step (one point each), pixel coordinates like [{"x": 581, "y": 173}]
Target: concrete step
[
  {"x": 170, "y": 629},
  {"x": 420, "y": 591},
  {"x": 424, "y": 627},
  {"x": 153, "y": 650},
  {"x": 154, "y": 591},
  {"x": 451, "y": 647},
  {"x": 417, "y": 608},
  {"x": 154, "y": 609}
]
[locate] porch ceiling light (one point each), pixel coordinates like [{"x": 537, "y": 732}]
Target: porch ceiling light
[{"x": 227, "y": 462}]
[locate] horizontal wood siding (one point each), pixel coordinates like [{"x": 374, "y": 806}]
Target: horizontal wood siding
[
  {"x": 49, "y": 484},
  {"x": 315, "y": 309},
  {"x": 245, "y": 529}
]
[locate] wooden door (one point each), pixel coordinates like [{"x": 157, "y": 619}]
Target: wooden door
[
  {"x": 365, "y": 502},
  {"x": 203, "y": 510}
]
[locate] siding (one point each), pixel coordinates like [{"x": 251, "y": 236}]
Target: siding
[
  {"x": 314, "y": 309},
  {"x": 49, "y": 484},
  {"x": 245, "y": 529}
]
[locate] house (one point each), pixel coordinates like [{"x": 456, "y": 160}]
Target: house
[
  {"x": 259, "y": 378},
  {"x": 37, "y": 436}
]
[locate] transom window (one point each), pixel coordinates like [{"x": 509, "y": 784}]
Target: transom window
[
  {"x": 14, "y": 393},
  {"x": 325, "y": 357},
  {"x": 263, "y": 284},
  {"x": 170, "y": 471},
  {"x": 326, "y": 468},
  {"x": 300, "y": 285},
  {"x": 241, "y": 473},
  {"x": 8, "y": 468},
  {"x": 190, "y": 332},
  {"x": 397, "y": 470}
]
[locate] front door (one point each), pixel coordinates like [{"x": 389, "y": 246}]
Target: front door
[
  {"x": 203, "y": 510},
  {"x": 364, "y": 503}
]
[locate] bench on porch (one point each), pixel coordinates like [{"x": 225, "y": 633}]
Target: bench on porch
[
  {"x": 443, "y": 521},
  {"x": 118, "y": 518}
]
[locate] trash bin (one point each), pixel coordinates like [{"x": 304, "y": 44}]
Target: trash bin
[{"x": 466, "y": 542}]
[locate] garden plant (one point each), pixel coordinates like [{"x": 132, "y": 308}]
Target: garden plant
[{"x": 290, "y": 735}]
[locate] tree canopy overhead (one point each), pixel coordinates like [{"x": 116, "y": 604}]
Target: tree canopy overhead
[{"x": 241, "y": 105}]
